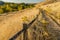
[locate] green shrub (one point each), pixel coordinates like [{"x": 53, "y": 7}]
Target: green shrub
[{"x": 1, "y": 11}]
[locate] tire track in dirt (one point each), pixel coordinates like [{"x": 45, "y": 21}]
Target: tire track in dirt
[{"x": 52, "y": 27}]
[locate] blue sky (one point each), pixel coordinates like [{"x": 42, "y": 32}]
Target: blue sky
[{"x": 25, "y": 1}]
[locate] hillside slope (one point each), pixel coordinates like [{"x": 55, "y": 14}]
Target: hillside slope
[{"x": 10, "y": 23}]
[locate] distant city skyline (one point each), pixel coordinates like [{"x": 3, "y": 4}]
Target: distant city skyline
[{"x": 23, "y": 1}]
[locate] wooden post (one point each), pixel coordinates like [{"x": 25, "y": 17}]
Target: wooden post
[{"x": 25, "y": 33}]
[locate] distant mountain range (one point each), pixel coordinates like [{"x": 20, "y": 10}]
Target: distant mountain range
[{"x": 1, "y": 2}]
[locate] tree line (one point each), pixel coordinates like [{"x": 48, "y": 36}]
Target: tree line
[{"x": 9, "y": 7}]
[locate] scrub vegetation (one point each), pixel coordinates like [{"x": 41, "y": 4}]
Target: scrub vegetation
[{"x": 10, "y": 7}]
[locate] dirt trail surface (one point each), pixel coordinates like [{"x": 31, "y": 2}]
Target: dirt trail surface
[
  {"x": 11, "y": 23},
  {"x": 51, "y": 13},
  {"x": 52, "y": 27}
]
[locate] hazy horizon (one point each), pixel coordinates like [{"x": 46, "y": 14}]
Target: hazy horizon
[{"x": 22, "y": 1}]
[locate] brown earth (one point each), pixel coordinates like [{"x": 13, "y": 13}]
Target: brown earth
[{"x": 12, "y": 22}]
